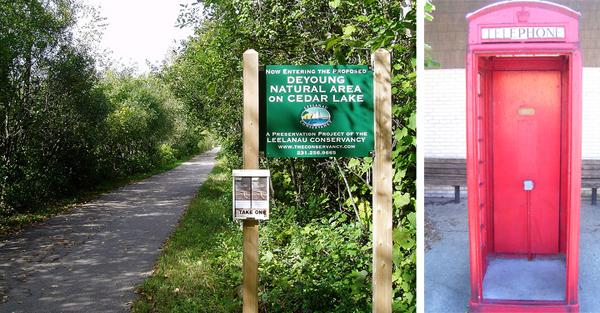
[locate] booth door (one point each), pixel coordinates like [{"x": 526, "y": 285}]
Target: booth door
[{"x": 526, "y": 147}]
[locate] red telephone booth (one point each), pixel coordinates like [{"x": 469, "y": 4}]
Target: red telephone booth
[{"x": 524, "y": 156}]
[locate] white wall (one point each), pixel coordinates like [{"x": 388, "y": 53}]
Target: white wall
[
  {"x": 591, "y": 113},
  {"x": 443, "y": 108}
]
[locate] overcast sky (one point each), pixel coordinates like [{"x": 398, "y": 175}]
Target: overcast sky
[{"x": 140, "y": 30}]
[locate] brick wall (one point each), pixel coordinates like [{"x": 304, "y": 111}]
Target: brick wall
[{"x": 447, "y": 33}]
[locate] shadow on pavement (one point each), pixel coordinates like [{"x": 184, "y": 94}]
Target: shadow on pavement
[{"x": 91, "y": 259}]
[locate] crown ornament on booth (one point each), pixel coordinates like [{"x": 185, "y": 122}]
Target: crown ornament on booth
[{"x": 522, "y": 16}]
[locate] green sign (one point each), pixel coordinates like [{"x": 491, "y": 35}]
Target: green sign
[{"x": 316, "y": 111}]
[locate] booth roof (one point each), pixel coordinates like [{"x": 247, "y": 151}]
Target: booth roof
[{"x": 562, "y": 8}]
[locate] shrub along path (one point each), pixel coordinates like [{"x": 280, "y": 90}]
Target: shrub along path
[{"x": 91, "y": 259}]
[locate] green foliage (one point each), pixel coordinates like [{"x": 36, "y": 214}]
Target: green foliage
[
  {"x": 146, "y": 125},
  {"x": 313, "y": 199},
  {"x": 429, "y": 61},
  {"x": 64, "y": 127},
  {"x": 49, "y": 108},
  {"x": 322, "y": 266}
]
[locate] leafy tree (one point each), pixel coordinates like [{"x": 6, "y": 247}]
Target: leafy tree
[
  {"x": 35, "y": 55},
  {"x": 64, "y": 127},
  {"x": 311, "y": 193}
]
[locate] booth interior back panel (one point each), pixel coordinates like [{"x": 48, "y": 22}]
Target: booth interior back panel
[{"x": 447, "y": 33}]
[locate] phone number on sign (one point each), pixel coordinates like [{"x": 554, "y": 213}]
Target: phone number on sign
[{"x": 312, "y": 152}]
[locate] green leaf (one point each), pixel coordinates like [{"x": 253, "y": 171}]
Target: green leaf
[
  {"x": 401, "y": 199},
  {"x": 412, "y": 121},
  {"x": 334, "y": 4},
  {"x": 268, "y": 256},
  {"x": 412, "y": 218},
  {"x": 353, "y": 163},
  {"x": 349, "y": 30}
]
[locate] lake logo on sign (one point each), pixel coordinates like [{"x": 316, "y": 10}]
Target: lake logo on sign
[{"x": 315, "y": 117}]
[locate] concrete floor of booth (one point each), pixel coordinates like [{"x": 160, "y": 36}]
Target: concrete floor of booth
[
  {"x": 447, "y": 284},
  {"x": 521, "y": 279}
]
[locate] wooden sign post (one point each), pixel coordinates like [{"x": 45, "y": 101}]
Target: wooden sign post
[
  {"x": 250, "y": 152},
  {"x": 382, "y": 185},
  {"x": 382, "y": 170}
]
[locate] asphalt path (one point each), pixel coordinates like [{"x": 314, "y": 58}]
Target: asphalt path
[{"x": 92, "y": 258}]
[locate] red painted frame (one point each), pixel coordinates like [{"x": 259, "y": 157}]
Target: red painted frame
[{"x": 534, "y": 54}]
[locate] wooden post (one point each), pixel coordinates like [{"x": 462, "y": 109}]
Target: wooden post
[
  {"x": 250, "y": 151},
  {"x": 382, "y": 185}
]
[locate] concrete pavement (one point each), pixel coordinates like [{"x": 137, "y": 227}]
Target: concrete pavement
[
  {"x": 447, "y": 287},
  {"x": 91, "y": 259}
]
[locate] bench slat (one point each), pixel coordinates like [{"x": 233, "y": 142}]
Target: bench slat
[
  {"x": 445, "y": 172},
  {"x": 453, "y": 172}
]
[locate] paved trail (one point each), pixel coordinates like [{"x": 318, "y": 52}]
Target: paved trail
[{"x": 91, "y": 259}]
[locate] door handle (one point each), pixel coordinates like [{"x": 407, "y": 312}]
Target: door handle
[{"x": 528, "y": 185}]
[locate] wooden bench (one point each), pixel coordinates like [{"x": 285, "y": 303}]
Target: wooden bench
[
  {"x": 590, "y": 177},
  {"x": 446, "y": 172},
  {"x": 453, "y": 172}
]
